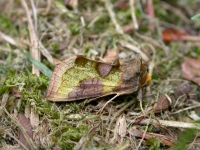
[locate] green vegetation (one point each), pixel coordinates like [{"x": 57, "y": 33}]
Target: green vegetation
[{"x": 95, "y": 29}]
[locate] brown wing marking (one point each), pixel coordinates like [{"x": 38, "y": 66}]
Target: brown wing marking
[
  {"x": 104, "y": 69},
  {"x": 90, "y": 87}
]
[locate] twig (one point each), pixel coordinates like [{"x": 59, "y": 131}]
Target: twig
[
  {"x": 181, "y": 110},
  {"x": 100, "y": 111},
  {"x": 16, "y": 139},
  {"x": 194, "y": 141},
  {"x": 117, "y": 114},
  {"x": 33, "y": 37},
  {"x": 152, "y": 41},
  {"x": 34, "y": 16},
  {"x": 143, "y": 136},
  {"x": 5, "y": 49},
  {"x": 175, "y": 10},
  {"x": 134, "y": 48},
  {"x": 175, "y": 124},
  {"x": 140, "y": 100},
  {"x": 108, "y": 6},
  {"x": 46, "y": 53},
  {"x": 132, "y": 7},
  {"x": 17, "y": 43},
  {"x": 29, "y": 140},
  {"x": 190, "y": 38},
  {"x": 11, "y": 40},
  {"x": 48, "y": 8}
]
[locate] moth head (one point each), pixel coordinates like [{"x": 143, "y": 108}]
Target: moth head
[
  {"x": 132, "y": 69},
  {"x": 136, "y": 71}
]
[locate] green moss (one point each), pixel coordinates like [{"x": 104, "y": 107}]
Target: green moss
[
  {"x": 6, "y": 24},
  {"x": 74, "y": 28},
  {"x": 31, "y": 87},
  {"x": 154, "y": 144},
  {"x": 65, "y": 135}
]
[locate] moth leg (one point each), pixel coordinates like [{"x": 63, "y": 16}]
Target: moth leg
[
  {"x": 140, "y": 99},
  {"x": 90, "y": 100},
  {"x": 107, "y": 103}
]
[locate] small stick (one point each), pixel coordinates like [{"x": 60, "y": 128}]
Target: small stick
[
  {"x": 187, "y": 108},
  {"x": 175, "y": 124},
  {"x": 190, "y": 38},
  {"x": 107, "y": 103},
  {"x": 140, "y": 143},
  {"x": 140, "y": 99},
  {"x": 119, "y": 112},
  {"x": 34, "y": 39},
  {"x": 113, "y": 16},
  {"x": 134, "y": 48},
  {"x": 132, "y": 7},
  {"x": 17, "y": 123}
]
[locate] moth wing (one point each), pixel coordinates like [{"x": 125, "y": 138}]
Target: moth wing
[
  {"x": 80, "y": 78},
  {"x": 91, "y": 88},
  {"x": 80, "y": 92}
]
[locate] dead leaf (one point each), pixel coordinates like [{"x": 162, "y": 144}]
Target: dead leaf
[
  {"x": 27, "y": 126},
  {"x": 120, "y": 130},
  {"x": 121, "y": 4},
  {"x": 27, "y": 111},
  {"x": 121, "y": 123},
  {"x": 181, "y": 90},
  {"x": 170, "y": 35},
  {"x": 34, "y": 119},
  {"x": 111, "y": 55},
  {"x": 162, "y": 104},
  {"x": 71, "y": 3},
  {"x": 15, "y": 90},
  {"x": 191, "y": 69},
  {"x": 164, "y": 139},
  {"x": 195, "y": 63}
]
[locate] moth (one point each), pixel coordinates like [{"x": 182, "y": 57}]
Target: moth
[{"x": 81, "y": 78}]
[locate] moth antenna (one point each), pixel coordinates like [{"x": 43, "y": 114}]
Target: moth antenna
[{"x": 107, "y": 103}]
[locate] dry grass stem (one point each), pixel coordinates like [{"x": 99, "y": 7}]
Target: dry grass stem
[
  {"x": 132, "y": 7},
  {"x": 109, "y": 7},
  {"x": 187, "y": 108},
  {"x": 134, "y": 48},
  {"x": 33, "y": 37},
  {"x": 15, "y": 138},
  {"x": 46, "y": 53},
  {"x": 168, "y": 123},
  {"x": 143, "y": 136},
  {"x": 152, "y": 41},
  {"x": 174, "y": 10},
  {"x": 190, "y": 38},
  {"x": 29, "y": 140},
  {"x": 11, "y": 40}
]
